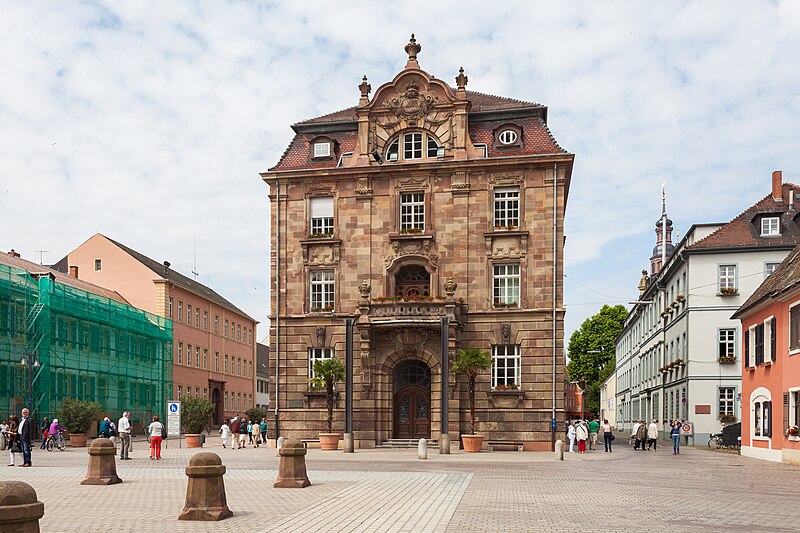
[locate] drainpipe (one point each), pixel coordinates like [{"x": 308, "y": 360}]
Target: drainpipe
[
  {"x": 277, "y": 302},
  {"x": 555, "y": 273}
]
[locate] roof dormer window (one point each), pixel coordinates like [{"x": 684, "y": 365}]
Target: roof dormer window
[
  {"x": 508, "y": 137},
  {"x": 322, "y": 149},
  {"x": 770, "y": 226}
]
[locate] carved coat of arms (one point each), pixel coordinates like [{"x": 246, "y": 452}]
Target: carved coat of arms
[{"x": 412, "y": 104}]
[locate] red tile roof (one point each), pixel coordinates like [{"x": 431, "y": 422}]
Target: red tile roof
[
  {"x": 744, "y": 230},
  {"x": 537, "y": 138},
  {"x": 298, "y": 155},
  {"x": 786, "y": 276},
  {"x": 64, "y": 279}
]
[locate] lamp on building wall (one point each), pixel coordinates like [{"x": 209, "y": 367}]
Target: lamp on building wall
[
  {"x": 377, "y": 157},
  {"x": 30, "y": 361}
]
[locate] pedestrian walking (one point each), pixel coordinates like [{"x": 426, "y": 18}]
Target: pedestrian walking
[
  {"x": 105, "y": 428},
  {"x": 263, "y": 428},
  {"x": 641, "y": 436},
  {"x": 652, "y": 435},
  {"x": 25, "y": 436},
  {"x": 243, "y": 434},
  {"x": 571, "y": 436},
  {"x": 256, "y": 432},
  {"x": 3, "y": 431},
  {"x": 250, "y": 432},
  {"x": 635, "y": 428},
  {"x": 594, "y": 427},
  {"x": 14, "y": 447},
  {"x": 155, "y": 430},
  {"x": 675, "y": 433},
  {"x": 582, "y": 435},
  {"x": 236, "y": 425},
  {"x": 224, "y": 433},
  {"x": 55, "y": 431},
  {"x": 608, "y": 436},
  {"x": 43, "y": 431},
  {"x": 124, "y": 428}
]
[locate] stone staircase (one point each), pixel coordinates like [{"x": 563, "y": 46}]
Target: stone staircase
[{"x": 406, "y": 443}]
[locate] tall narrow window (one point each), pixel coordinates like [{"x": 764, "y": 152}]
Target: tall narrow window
[
  {"x": 98, "y": 265},
  {"x": 180, "y": 311},
  {"x": 171, "y": 301},
  {"x": 794, "y": 327},
  {"x": 226, "y": 328},
  {"x": 317, "y": 354},
  {"x": 727, "y": 278},
  {"x": 505, "y": 366},
  {"x": 189, "y": 314},
  {"x": 225, "y": 371},
  {"x": 321, "y": 214},
  {"x": 197, "y": 317},
  {"x": 205, "y": 320},
  {"x": 412, "y": 211},
  {"x": 205, "y": 358},
  {"x": 216, "y": 361},
  {"x": 322, "y": 287},
  {"x": 759, "y": 343},
  {"x": 216, "y": 324},
  {"x": 726, "y": 401},
  {"x": 726, "y": 351},
  {"x": 506, "y": 285},
  {"x": 180, "y": 353},
  {"x": 506, "y": 207}
]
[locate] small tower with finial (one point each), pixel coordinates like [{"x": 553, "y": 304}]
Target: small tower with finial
[
  {"x": 664, "y": 248},
  {"x": 365, "y": 89},
  {"x": 412, "y": 49},
  {"x": 461, "y": 80}
]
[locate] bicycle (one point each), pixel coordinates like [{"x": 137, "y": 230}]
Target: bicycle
[{"x": 56, "y": 442}]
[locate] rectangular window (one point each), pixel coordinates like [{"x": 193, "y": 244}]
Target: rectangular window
[
  {"x": 98, "y": 265},
  {"x": 226, "y": 401},
  {"x": 412, "y": 211},
  {"x": 205, "y": 320},
  {"x": 317, "y": 354},
  {"x": 180, "y": 353},
  {"x": 216, "y": 361},
  {"x": 322, "y": 149},
  {"x": 322, "y": 287},
  {"x": 506, "y": 207},
  {"x": 726, "y": 350},
  {"x": 770, "y": 226},
  {"x": 412, "y": 146},
  {"x": 225, "y": 371},
  {"x": 180, "y": 391},
  {"x": 759, "y": 344},
  {"x": 216, "y": 324},
  {"x": 321, "y": 214},
  {"x": 170, "y": 306},
  {"x": 189, "y": 314},
  {"x": 226, "y": 328},
  {"x": 188, "y": 355},
  {"x": 727, "y": 278},
  {"x": 205, "y": 392},
  {"x": 239, "y": 367},
  {"x": 769, "y": 340},
  {"x": 197, "y": 392},
  {"x": 505, "y": 366},
  {"x": 205, "y": 358},
  {"x": 727, "y": 396},
  {"x": 794, "y": 408},
  {"x": 239, "y": 332},
  {"x": 769, "y": 268},
  {"x": 197, "y": 317},
  {"x": 180, "y": 311},
  {"x": 506, "y": 285}
]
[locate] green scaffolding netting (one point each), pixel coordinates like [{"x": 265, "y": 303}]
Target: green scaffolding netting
[{"x": 79, "y": 345}]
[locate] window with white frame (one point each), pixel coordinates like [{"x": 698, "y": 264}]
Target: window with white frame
[
  {"x": 412, "y": 146},
  {"x": 508, "y": 136},
  {"x": 189, "y": 314},
  {"x": 321, "y": 215},
  {"x": 180, "y": 311},
  {"x": 726, "y": 346},
  {"x": 505, "y": 365},
  {"x": 769, "y": 339},
  {"x": 205, "y": 320},
  {"x": 197, "y": 357},
  {"x": 322, "y": 149},
  {"x": 506, "y": 207},
  {"x": 506, "y": 285},
  {"x": 317, "y": 354},
  {"x": 794, "y": 407},
  {"x": 727, "y": 396},
  {"x": 727, "y": 278},
  {"x": 770, "y": 226},
  {"x": 433, "y": 147},
  {"x": 762, "y": 414},
  {"x": 794, "y": 327},
  {"x": 769, "y": 268},
  {"x": 322, "y": 286},
  {"x": 412, "y": 211},
  {"x": 180, "y": 353},
  {"x": 171, "y": 302}
]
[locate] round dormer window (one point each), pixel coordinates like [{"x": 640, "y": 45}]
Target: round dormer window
[{"x": 508, "y": 137}]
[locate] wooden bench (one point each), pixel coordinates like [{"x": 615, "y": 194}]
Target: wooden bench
[
  {"x": 306, "y": 441},
  {"x": 504, "y": 446}
]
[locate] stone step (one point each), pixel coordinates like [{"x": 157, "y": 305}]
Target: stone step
[{"x": 405, "y": 443}]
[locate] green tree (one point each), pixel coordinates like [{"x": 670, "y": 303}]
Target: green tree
[
  {"x": 470, "y": 362},
  {"x": 591, "y": 352},
  {"x": 328, "y": 372},
  {"x": 195, "y": 414}
]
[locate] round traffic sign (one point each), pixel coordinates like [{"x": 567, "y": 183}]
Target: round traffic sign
[
  {"x": 687, "y": 428},
  {"x": 173, "y": 408}
]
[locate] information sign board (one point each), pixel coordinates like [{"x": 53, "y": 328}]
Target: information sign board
[{"x": 173, "y": 419}]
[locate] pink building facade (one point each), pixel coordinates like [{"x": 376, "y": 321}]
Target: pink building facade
[{"x": 214, "y": 343}]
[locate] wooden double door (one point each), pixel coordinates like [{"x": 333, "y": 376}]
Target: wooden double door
[{"x": 412, "y": 413}]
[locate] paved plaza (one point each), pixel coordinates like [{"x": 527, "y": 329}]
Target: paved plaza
[{"x": 392, "y": 490}]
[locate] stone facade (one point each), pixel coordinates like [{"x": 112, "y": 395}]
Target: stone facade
[{"x": 417, "y": 233}]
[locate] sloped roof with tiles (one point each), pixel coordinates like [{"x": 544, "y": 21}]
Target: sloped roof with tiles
[{"x": 785, "y": 277}]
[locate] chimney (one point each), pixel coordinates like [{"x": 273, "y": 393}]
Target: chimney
[
  {"x": 12, "y": 253},
  {"x": 73, "y": 271},
  {"x": 777, "y": 183},
  {"x": 791, "y": 199}
]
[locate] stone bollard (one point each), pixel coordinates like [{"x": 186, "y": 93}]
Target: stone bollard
[
  {"x": 422, "y": 449},
  {"x": 444, "y": 444},
  {"x": 205, "y": 494},
  {"x": 279, "y": 445},
  {"x": 20, "y": 511},
  {"x": 102, "y": 463},
  {"x": 348, "y": 443},
  {"x": 559, "y": 450},
  {"x": 292, "y": 468}
]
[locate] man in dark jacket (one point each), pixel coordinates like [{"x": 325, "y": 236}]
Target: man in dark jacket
[
  {"x": 235, "y": 429},
  {"x": 26, "y": 437}
]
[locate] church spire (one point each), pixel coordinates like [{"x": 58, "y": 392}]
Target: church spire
[{"x": 664, "y": 248}]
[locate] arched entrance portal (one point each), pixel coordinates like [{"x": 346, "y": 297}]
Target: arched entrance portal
[
  {"x": 412, "y": 400},
  {"x": 217, "y": 415}
]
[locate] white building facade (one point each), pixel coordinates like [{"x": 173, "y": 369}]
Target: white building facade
[
  {"x": 608, "y": 400},
  {"x": 678, "y": 354}
]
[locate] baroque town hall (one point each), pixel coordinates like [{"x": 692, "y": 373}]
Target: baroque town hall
[{"x": 422, "y": 202}]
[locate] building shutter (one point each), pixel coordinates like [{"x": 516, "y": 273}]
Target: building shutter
[
  {"x": 759, "y": 344},
  {"x": 773, "y": 334},
  {"x": 747, "y": 348},
  {"x": 786, "y": 410},
  {"x": 768, "y": 419}
]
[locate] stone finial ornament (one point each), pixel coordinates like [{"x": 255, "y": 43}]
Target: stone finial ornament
[
  {"x": 364, "y": 289},
  {"x": 365, "y": 87},
  {"x": 643, "y": 283},
  {"x": 413, "y": 48},
  {"x": 450, "y": 287},
  {"x": 461, "y": 79}
]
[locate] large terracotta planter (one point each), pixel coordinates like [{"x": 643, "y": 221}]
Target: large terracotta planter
[
  {"x": 193, "y": 440},
  {"x": 472, "y": 443},
  {"x": 329, "y": 441},
  {"x": 78, "y": 440}
]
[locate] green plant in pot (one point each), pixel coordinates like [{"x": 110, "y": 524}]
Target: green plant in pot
[
  {"x": 195, "y": 413},
  {"x": 471, "y": 362},
  {"x": 328, "y": 372},
  {"x": 78, "y": 417}
]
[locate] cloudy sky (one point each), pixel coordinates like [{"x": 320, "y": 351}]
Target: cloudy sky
[{"x": 150, "y": 121}]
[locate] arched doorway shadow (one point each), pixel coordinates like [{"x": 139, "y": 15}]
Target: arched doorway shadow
[{"x": 412, "y": 400}]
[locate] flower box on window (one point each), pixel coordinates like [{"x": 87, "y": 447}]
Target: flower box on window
[
  {"x": 793, "y": 431},
  {"x": 410, "y": 231},
  {"x": 510, "y": 386},
  {"x": 326, "y": 309},
  {"x": 506, "y": 227},
  {"x": 727, "y": 418},
  {"x": 504, "y": 305},
  {"x": 727, "y": 359},
  {"x": 319, "y": 235},
  {"x": 680, "y": 298},
  {"x": 728, "y": 291}
]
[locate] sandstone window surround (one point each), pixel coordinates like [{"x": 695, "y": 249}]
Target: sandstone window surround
[
  {"x": 413, "y": 145},
  {"x": 506, "y": 285},
  {"x": 412, "y": 212},
  {"x": 506, "y": 207},
  {"x": 506, "y": 365},
  {"x": 321, "y": 290},
  {"x": 321, "y": 216},
  {"x": 507, "y": 137},
  {"x": 322, "y": 148}
]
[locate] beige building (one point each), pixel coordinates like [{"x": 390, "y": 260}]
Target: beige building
[
  {"x": 214, "y": 343},
  {"x": 422, "y": 202}
]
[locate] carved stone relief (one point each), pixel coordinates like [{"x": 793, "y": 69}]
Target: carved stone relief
[
  {"x": 320, "y": 253},
  {"x": 320, "y": 336},
  {"x": 505, "y": 330},
  {"x": 420, "y": 247}
]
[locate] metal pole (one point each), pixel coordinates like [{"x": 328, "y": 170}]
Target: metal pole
[
  {"x": 444, "y": 436},
  {"x": 348, "y": 393},
  {"x": 29, "y": 364},
  {"x": 277, "y": 304},
  {"x": 555, "y": 287}
]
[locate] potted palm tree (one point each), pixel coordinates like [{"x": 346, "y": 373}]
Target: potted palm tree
[
  {"x": 195, "y": 413},
  {"x": 471, "y": 362},
  {"x": 328, "y": 372},
  {"x": 77, "y": 418}
]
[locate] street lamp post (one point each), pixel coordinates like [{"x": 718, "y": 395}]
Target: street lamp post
[{"x": 30, "y": 361}]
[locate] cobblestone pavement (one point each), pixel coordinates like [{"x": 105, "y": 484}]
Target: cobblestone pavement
[{"x": 392, "y": 490}]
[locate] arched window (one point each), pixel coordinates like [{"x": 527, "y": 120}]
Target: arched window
[{"x": 413, "y": 145}]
